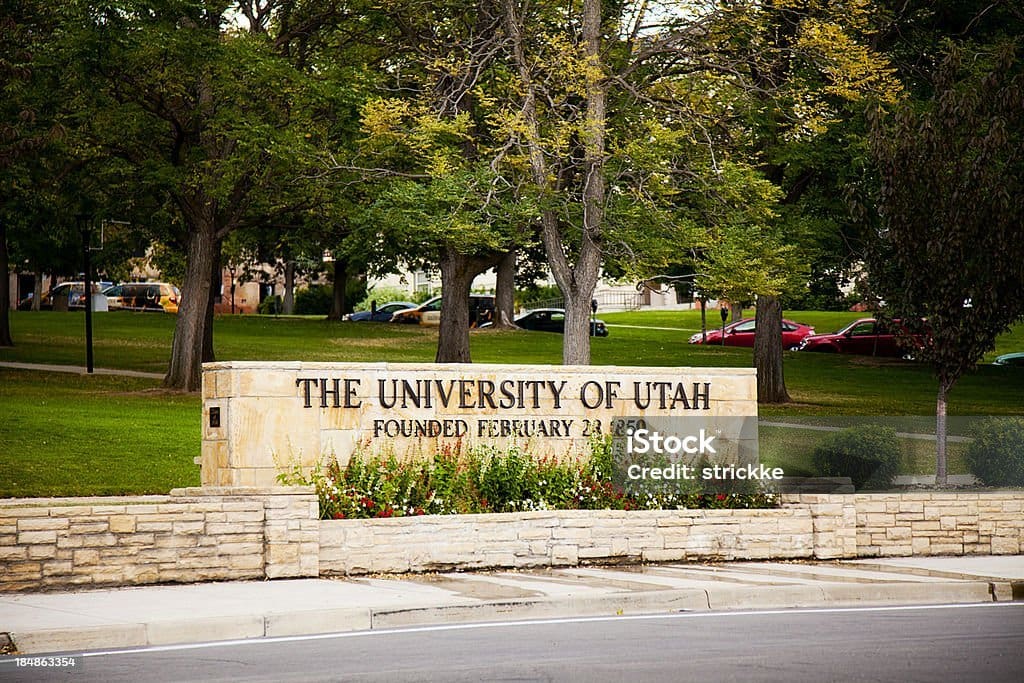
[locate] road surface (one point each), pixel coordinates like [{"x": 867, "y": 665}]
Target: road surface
[{"x": 939, "y": 643}]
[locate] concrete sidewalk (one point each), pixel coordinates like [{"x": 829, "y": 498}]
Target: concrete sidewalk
[
  {"x": 158, "y": 615},
  {"x": 78, "y": 370}
]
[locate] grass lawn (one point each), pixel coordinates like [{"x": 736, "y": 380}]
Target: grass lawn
[
  {"x": 64, "y": 434},
  {"x": 69, "y": 435}
]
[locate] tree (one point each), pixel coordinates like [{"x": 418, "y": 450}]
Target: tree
[
  {"x": 26, "y": 125},
  {"x": 210, "y": 117},
  {"x": 951, "y": 207},
  {"x": 440, "y": 200},
  {"x": 733, "y": 77}
]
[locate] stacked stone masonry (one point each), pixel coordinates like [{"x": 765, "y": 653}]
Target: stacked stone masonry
[
  {"x": 940, "y": 524},
  {"x": 540, "y": 539},
  {"x": 189, "y": 535},
  {"x": 210, "y": 533}
]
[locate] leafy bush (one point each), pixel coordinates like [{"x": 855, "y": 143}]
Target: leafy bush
[
  {"x": 869, "y": 455},
  {"x": 272, "y": 305},
  {"x": 483, "y": 479},
  {"x": 315, "y": 300},
  {"x": 996, "y": 455}
]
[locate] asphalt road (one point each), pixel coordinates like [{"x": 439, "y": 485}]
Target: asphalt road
[{"x": 947, "y": 643}]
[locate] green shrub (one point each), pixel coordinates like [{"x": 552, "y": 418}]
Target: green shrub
[
  {"x": 315, "y": 300},
  {"x": 272, "y": 305},
  {"x": 869, "y": 455},
  {"x": 996, "y": 455}
]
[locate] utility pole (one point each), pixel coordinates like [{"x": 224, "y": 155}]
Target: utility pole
[{"x": 85, "y": 228}]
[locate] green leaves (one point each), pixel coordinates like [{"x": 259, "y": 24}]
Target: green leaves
[{"x": 952, "y": 206}]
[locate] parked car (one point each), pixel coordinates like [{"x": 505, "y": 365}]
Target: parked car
[
  {"x": 481, "y": 310},
  {"x": 553, "y": 320},
  {"x": 144, "y": 296},
  {"x": 73, "y": 292},
  {"x": 1010, "y": 359},
  {"x": 865, "y": 336},
  {"x": 382, "y": 314},
  {"x": 741, "y": 333}
]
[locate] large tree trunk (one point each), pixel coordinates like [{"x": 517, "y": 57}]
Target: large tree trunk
[
  {"x": 576, "y": 281},
  {"x": 5, "y": 290},
  {"x": 340, "y": 282},
  {"x": 703, "y": 320},
  {"x": 940, "y": 432},
  {"x": 216, "y": 280},
  {"x": 37, "y": 290},
  {"x": 288, "y": 302},
  {"x": 185, "y": 370},
  {"x": 456, "y": 280},
  {"x": 735, "y": 312},
  {"x": 576, "y": 350},
  {"x": 505, "y": 292},
  {"x": 771, "y": 382}
]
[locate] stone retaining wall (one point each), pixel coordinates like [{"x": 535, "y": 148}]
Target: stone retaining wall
[
  {"x": 552, "y": 538},
  {"x": 190, "y": 535},
  {"x": 210, "y": 533},
  {"x": 940, "y": 524}
]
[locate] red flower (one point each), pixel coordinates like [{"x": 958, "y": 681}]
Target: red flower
[
  {"x": 339, "y": 515},
  {"x": 720, "y": 497},
  {"x": 367, "y": 502}
]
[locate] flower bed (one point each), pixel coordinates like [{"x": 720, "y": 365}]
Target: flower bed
[{"x": 482, "y": 480}]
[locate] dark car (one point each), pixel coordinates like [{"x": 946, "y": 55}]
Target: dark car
[
  {"x": 868, "y": 337},
  {"x": 553, "y": 320},
  {"x": 382, "y": 314},
  {"x": 1010, "y": 359},
  {"x": 144, "y": 296},
  {"x": 741, "y": 333},
  {"x": 481, "y": 310}
]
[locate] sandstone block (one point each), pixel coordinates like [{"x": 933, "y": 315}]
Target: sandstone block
[
  {"x": 565, "y": 555},
  {"x": 122, "y": 524},
  {"x": 56, "y": 568},
  {"x": 42, "y": 523},
  {"x": 41, "y": 552},
  {"x": 36, "y": 537},
  {"x": 8, "y": 553},
  {"x": 1006, "y": 545}
]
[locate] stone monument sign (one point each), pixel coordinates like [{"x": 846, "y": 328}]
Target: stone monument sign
[{"x": 262, "y": 417}]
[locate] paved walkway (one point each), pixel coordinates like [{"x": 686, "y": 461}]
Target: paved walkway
[
  {"x": 79, "y": 370},
  {"x": 154, "y": 615}
]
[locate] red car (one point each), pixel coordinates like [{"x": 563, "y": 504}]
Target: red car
[
  {"x": 741, "y": 333},
  {"x": 865, "y": 336}
]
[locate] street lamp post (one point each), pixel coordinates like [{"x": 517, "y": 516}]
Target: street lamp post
[
  {"x": 231, "y": 269},
  {"x": 85, "y": 228}
]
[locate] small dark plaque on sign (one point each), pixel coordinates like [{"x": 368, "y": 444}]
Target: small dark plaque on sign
[{"x": 214, "y": 418}]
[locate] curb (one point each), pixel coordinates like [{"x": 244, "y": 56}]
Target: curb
[{"x": 311, "y": 622}]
